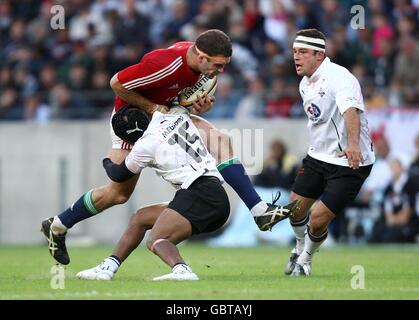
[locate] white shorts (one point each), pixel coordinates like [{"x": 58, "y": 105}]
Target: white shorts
[{"x": 117, "y": 142}]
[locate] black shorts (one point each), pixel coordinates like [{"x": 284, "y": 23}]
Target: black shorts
[
  {"x": 205, "y": 204},
  {"x": 334, "y": 185}
]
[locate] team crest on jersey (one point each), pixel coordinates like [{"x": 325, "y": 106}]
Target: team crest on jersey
[{"x": 313, "y": 112}]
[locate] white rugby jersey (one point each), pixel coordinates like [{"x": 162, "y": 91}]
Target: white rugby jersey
[
  {"x": 327, "y": 94},
  {"x": 172, "y": 146}
]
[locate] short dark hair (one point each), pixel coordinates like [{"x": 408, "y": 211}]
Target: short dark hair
[
  {"x": 214, "y": 42},
  {"x": 312, "y": 33}
]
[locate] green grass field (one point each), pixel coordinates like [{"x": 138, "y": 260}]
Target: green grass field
[{"x": 391, "y": 272}]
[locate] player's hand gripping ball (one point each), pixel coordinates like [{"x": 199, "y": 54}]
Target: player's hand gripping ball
[{"x": 204, "y": 85}]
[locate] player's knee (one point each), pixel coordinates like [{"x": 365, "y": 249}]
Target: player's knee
[
  {"x": 136, "y": 219},
  {"x": 112, "y": 195},
  {"x": 150, "y": 241},
  {"x": 121, "y": 198}
]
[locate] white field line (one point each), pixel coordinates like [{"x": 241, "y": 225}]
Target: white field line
[{"x": 93, "y": 294}]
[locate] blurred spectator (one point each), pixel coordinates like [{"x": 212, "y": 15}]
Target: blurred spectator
[
  {"x": 218, "y": 13},
  {"x": 280, "y": 169},
  {"x": 342, "y": 54},
  {"x": 39, "y": 29},
  {"x": 226, "y": 99},
  {"x": 77, "y": 77},
  {"x": 280, "y": 101},
  {"x": 105, "y": 36},
  {"x": 275, "y": 26},
  {"x": 244, "y": 61},
  {"x": 380, "y": 176},
  {"x": 382, "y": 32},
  {"x": 304, "y": 17},
  {"x": 90, "y": 28},
  {"x": 24, "y": 81},
  {"x": 360, "y": 72},
  {"x": 66, "y": 105},
  {"x": 35, "y": 110},
  {"x": 10, "y": 109},
  {"x": 252, "y": 105},
  {"x": 6, "y": 19},
  {"x": 414, "y": 167},
  {"x": 47, "y": 77},
  {"x": 330, "y": 17},
  {"x": 373, "y": 98},
  {"x": 60, "y": 46},
  {"x": 384, "y": 64},
  {"x": 159, "y": 12},
  {"x": 402, "y": 8},
  {"x": 15, "y": 40},
  {"x": 406, "y": 76},
  {"x": 132, "y": 26},
  {"x": 101, "y": 98},
  {"x": 253, "y": 25},
  {"x": 406, "y": 26},
  {"x": 80, "y": 56},
  {"x": 102, "y": 60},
  {"x": 271, "y": 51},
  {"x": 6, "y": 77},
  {"x": 399, "y": 222},
  {"x": 180, "y": 15},
  {"x": 360, "y": 50}
]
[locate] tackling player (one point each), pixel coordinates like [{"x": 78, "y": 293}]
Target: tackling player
[
  {"x": 153, "y": 84},
  {"x": 173, "y": 147}
]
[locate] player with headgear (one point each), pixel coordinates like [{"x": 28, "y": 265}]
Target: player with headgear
[
  {"x": 172, "y": 146},
  {"x": 153, "y": 84},
  {"x": 340, "y": 155}
]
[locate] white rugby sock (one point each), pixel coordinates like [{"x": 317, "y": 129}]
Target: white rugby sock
[
  {"x": 311, "y": 245},
  {"x": 259, "y": 209},
  {"x": 110, "y": 263},
  {"x": 300, "y": 230},
  {"x": 181, "y": 268},
  {"x": 57, "y": 226}
]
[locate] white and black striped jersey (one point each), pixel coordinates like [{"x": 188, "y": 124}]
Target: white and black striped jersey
[
  {"x": 172, "y": 146},
  {"x": 326, "y": 95}
]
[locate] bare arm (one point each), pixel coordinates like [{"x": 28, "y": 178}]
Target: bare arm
[
  {"x": 134, "y": 98},
  {"x": 353, "y": 127}
]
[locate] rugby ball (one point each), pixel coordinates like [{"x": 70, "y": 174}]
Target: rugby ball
[{"x": 190, "y": 94}]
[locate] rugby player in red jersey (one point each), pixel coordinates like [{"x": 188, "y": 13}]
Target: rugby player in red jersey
[{"x": 154, "y": 84}]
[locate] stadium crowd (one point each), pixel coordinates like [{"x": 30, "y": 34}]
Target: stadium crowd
[
  {"x": 48, "y": 73},
  {"x": 59, "y": 74}
]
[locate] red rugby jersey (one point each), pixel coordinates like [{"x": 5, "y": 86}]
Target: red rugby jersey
[{"x": 160, "y": 75}]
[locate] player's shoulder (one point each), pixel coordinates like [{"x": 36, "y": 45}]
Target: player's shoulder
[
  {"x": 336, "y": 71},
  {"x": 180, "y": 46},
  {"x": 338, "y": 75},
  {"x": 171, "y": 56},
  {"x": 176, "y": 50}
]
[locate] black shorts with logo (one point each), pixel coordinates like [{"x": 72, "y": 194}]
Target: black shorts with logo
[
  {"x": 334, "y": 185},
  {"x": 204, "y": 204}
]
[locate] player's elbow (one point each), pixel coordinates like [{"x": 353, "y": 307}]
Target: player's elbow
[{"x": 114, "y": 83}]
